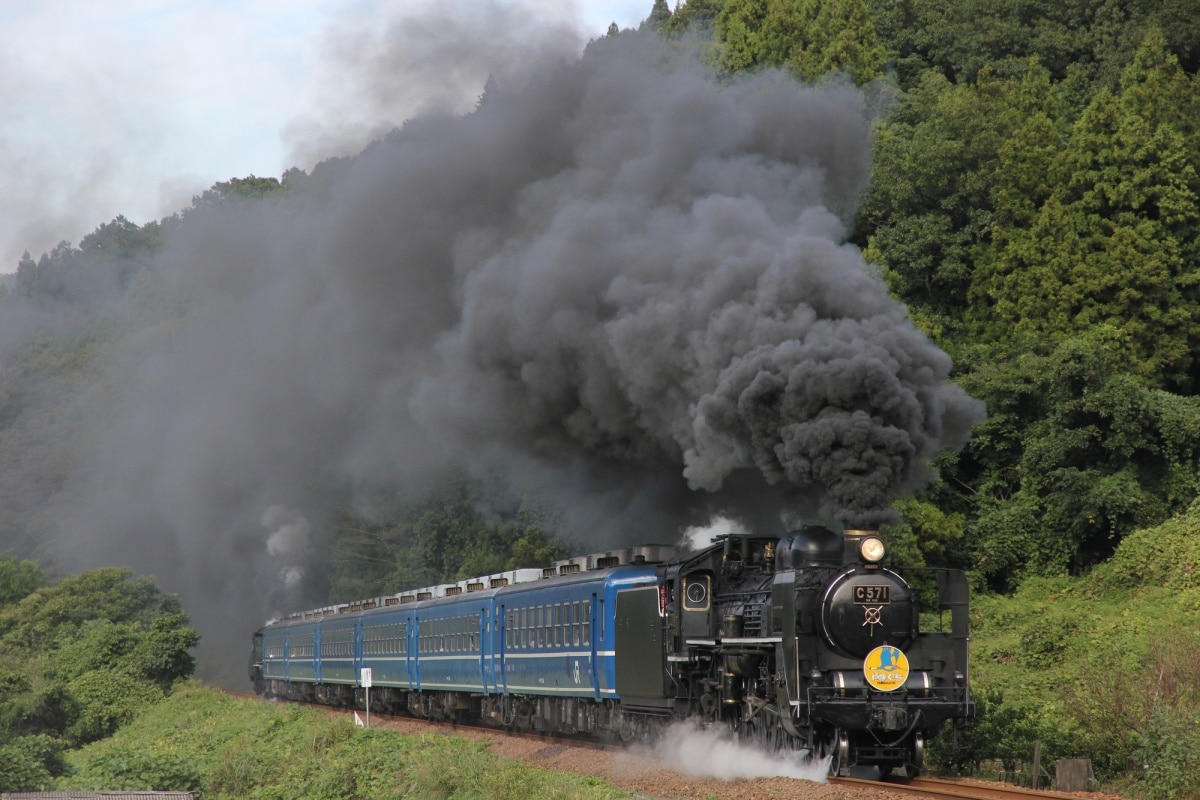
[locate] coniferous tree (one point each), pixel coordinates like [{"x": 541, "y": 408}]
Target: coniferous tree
[
  {"x": 1114, "y": 243},
  {"x": 812, "y": 37},
  {"x": 660, "y": 16}
]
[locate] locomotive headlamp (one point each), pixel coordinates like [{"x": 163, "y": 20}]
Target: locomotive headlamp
[{"x": 871, "y": 549}]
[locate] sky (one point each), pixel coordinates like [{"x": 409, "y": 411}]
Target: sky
[{"x": 133, "y": 107}]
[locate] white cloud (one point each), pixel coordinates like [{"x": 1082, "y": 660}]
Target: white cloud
[{"x": 132, "y": 106}]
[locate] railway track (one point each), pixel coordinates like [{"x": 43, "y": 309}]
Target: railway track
[{"x": 950, "y": 790}]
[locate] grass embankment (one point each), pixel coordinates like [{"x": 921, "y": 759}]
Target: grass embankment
[
  {"x": 1106, "y": 666},
  {"x": 225, "y": 747}
]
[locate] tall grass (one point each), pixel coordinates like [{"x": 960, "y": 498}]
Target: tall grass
[{"x": 225, "y": 748}]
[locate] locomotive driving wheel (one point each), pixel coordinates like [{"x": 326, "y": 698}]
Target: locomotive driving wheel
[
  {"x": 916, "y": 760},
  {"x": 763, "y": 732},
  {"x": 837, "y": 750}
]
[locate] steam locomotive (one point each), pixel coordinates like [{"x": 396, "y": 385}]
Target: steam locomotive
[{"x": 805, "y": 642}]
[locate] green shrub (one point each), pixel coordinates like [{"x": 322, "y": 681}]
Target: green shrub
[
  {"x": 1170, "y": 749},
  {"x": 30, "y": 763},
  {"x": 1044, "y": 643},
  {"x": 107, "y": 699},
  {"x": 127, "y": 769}
]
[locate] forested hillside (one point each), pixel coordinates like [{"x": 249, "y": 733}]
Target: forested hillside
[{"x": 244, "y": 394}]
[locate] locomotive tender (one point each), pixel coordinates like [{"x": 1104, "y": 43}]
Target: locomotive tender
[{"x": 800, "y": 643}]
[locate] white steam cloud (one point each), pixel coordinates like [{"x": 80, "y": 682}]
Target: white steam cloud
[
  {"x": 707, "y": 753},
  {"x": 700, "y": 536},
  {"x": 287, "y": 542}
]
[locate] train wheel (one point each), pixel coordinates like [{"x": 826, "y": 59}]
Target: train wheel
[
  {"x": 627, "y": 729},
  {"x": 760, "y": 734},
  {"x": 917, "y": 757},
  {"x": 837, "y": 750}
]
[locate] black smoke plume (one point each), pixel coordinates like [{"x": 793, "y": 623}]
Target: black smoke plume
[{"x": 622, "y": 283}]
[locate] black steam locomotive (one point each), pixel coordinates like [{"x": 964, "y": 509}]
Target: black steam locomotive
[{"x": 801, "y": 643}]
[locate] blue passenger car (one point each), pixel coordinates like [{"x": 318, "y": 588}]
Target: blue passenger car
[{"x": 539, "y": 648}]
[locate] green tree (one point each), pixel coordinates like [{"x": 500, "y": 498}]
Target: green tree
[
  {"x": 18, "y": 579},
  {"x": 112, "y": 594},
  {"x": 812, "y": 37},
  {"x": 80, "y": 658},
  {"x": 237, "y": 191},
  {"x": 103, "y": 265},
  {"x": 695, "y": 16},
  {"x": 1076, "y": 453},
  {"x": 660, "y": 17},
  {"x": 30, "y": 763},
  {"x": 1113, "y": 244},
  {"x": 156, "y": 654},
  {"x": 928, "y": 215},
  {"x": 1092, "y": 40},
  {"x": 108, "y": 699}
]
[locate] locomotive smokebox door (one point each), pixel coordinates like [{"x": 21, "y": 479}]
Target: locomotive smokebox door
[{"x": 641, "y": 660}]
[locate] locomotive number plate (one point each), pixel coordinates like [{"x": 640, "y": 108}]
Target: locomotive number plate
[{"x": 872, "y": 595}]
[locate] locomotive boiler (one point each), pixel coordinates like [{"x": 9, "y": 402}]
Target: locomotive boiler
[{"x": 805, "y": 643}]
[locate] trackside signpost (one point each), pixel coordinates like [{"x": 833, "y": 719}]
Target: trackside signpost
[{"x": 365, "y": 680}]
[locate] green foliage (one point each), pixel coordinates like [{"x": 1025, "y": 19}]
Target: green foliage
[
  {"x": 1103, "y": 666},
  {"x": 660, "y": 16},
  {"x": 1113, "y": 242},
  {"x": 108, "y": 699},
  {"x": 1092, "y": 39},
  {"x": 133, "y": 770},
  {"x": 112, "y": 593},
  {"x": 928, "y": 214},
  {"x": 18, "y": 579},
  {"x": 30, "y": 763},
  {"x": 998, "y": 731},
  {"x": 237, "y": 192},
  {"x": 80, "y": 659},
  {"x": 224, "y": 747},
  {"x": 695, "y": 17},
  {"x": 1166, "y": 556},
  {"x": 31, "y": 702},
  {"x": 106, "y": 260},
  {"x": 1076, "y": 453},
  {"x": 1121, "y": 710},
  {"x": 926, "y": 534},
  {"x": 812, "y": 37},
  {"x": 1170, "y": 748}
]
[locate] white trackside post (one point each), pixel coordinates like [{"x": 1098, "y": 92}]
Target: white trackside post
[{"x": 365, "y": 680}]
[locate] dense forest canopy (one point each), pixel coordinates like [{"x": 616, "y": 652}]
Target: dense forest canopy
[{"x": 447, "y": 355}]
